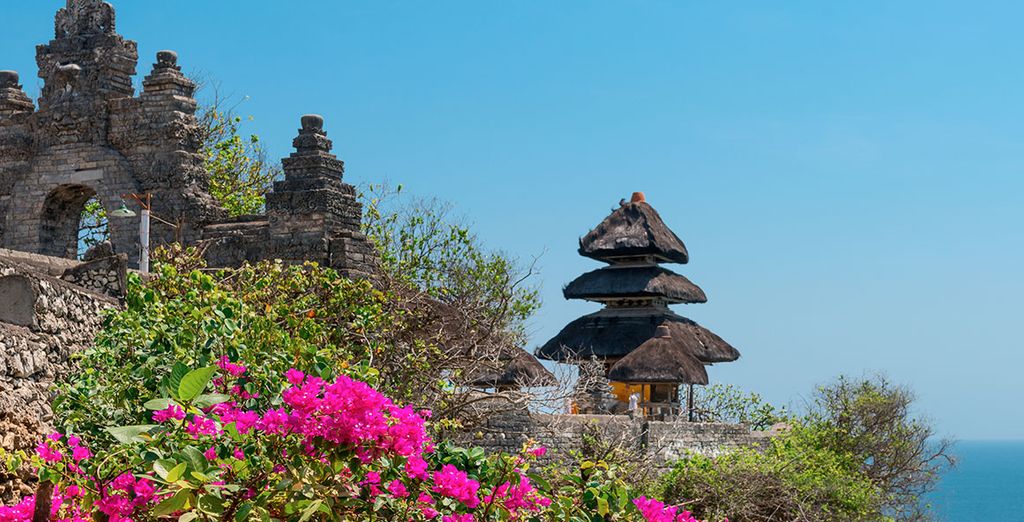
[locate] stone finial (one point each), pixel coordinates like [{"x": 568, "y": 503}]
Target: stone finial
[
  {"x": 312, "y": 140},
  {"x": 166, "y": 60},
  {"x": 313, "y": 123},
  {"x": 12, "y": 98},
  {"x": 9, "y": 80},
  {"x": 312, "y": 157},
  {"x": 167, "y": 77}
]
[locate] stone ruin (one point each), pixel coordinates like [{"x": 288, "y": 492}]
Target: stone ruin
[{"x": 92, "y": 137}]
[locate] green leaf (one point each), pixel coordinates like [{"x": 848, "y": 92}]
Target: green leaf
[
  {"x": 211, "y": 504},
  {"x": 163, "y": 467},
  {"x": 243, "y": 512},
  {"x": 178, "y": 372},
  {"x": 195, "y": 458},
  {"x": 602, "y": 506},
  {"x": 175, "y": 503},
  {"x": 310, "y": 509},
  {"x": 130, "y": 434},
  {"x": 158, "y": 404},
  {"x": 211, "y": 399},
  {"x": 175, "y": 474},
  {"x": 195, "y": 382}
]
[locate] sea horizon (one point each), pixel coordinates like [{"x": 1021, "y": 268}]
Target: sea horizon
[{"x": 985, "y": 485}]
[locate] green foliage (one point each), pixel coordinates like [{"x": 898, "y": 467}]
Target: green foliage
[
  {"x": 588, "y": 491},
  {"x": 796, "y": 477},
  {"x": 422, "y": 246},
  {"x": 727, "y": 403},
  {"x": 872, "y": 419},
  {"x": 858, "y": 453},
  {"x": 305, "y": 317},
  {"x": 240, "y": 175}
]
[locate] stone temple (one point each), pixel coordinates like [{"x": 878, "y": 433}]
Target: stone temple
[{"x": 91, "y": 136}]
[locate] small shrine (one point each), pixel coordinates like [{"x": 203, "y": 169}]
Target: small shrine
[{"x": 648, "y": 351}]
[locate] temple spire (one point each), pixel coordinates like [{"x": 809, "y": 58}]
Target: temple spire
[{"x": 84, "y": 18}]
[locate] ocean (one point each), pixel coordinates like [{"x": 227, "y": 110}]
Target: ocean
[{"x": 986, "y": 486}]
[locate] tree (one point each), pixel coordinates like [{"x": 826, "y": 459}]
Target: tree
[
  {"x": 857, "y": 453},
  {"x": 872, "y": 419},
  {"x": 470, "y": 302},
  {"x": 93, "y": 228},
  {"x": 240, "y": 174}
]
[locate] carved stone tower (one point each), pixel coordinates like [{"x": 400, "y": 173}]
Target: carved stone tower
[{"x": 92, "y": 137}]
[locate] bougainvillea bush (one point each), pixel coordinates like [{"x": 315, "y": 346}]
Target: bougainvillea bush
[{"x": 326, "y": 450}]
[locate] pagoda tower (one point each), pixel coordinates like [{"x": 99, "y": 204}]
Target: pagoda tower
[{"x": 647, "y": 349}]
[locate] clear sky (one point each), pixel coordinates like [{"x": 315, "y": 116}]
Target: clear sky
[{"x": 848, "y": 176}]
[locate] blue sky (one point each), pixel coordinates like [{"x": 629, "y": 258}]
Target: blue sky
[{"x": 848, "y": 176}]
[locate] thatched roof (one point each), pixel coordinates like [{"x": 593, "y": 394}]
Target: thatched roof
[
  {"x": 613, "y": 333},
  {"x": 634, "y": 281},
  {"x": 660, "y": 360},
  {"x": 633, "y": 229},
  {"x": 520, "y": 369}
]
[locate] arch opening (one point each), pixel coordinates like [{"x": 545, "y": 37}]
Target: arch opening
[
  {"x": 60, "y": 234},
  {"x": 93, "y": 227}
]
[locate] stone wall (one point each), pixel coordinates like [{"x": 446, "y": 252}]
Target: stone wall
[
  {"x": 661, "y": 441},
  {"x": 45, "y": 321}
]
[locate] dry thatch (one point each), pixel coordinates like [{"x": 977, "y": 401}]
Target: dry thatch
[
  {"x": 660, "y": 360},
  {"x": 614, "y": 282},
  {"x": 521, "y": 369},
  {"x": 613, "y": 333},
  {"x": 634, "y": 229}
]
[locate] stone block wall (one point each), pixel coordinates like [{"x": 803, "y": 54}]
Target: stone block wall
[
  {"x": 661, "y": 441},
  {"x": 45, "y": 321}
]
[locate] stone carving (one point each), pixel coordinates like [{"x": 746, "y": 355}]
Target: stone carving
[{"x": 85, "y": 17}]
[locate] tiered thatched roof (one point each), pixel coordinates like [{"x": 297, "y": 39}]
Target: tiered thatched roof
[
  {"x": 660, "y": 360},
  {"x": 616, "y": 281},
  {"x": 647, "y": 342},
  {"x": 614, "y": 333},
  {"x": 634, "y": 230}
]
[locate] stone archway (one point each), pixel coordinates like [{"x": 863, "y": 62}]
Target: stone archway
[
  {"x": 61, "y": 218},
  {"x": 46, "y": 205}
]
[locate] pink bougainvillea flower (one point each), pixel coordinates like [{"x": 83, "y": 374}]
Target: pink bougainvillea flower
[
  {"x": 48, "y": 454},
  {"x": 171, "y": 412},
  {"x": 232, "y": 369},
  {"x": 294, "y": 377},
  {"x": 453, "y": 483}
]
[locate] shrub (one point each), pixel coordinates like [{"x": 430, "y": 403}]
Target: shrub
[
  {"x": 795, "y": 477},
  {"x": 336, "y": 451}
]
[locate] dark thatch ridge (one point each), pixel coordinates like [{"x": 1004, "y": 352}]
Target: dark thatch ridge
[
  {"x": 660, "y": 360},
  {"x": 613, "y": 333},
  {"x": 634, "y": 229},
  {"x": 634, "y": 281},
  {"x": 521, "y": 369}
]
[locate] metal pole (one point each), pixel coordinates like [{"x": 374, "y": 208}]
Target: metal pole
[
  {"x": 689, "y": 403},
  {"x": 144, "y": 241}
]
